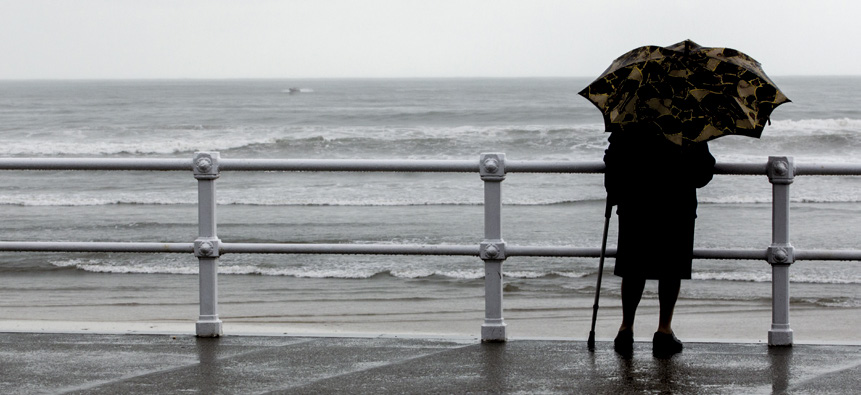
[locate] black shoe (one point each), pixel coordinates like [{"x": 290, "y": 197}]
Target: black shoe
[
  {"x": 666, "y": 344},
  {"x": 624, "y": 342}
]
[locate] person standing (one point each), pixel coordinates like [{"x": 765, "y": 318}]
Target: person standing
[{"x": 653, "y": 183}]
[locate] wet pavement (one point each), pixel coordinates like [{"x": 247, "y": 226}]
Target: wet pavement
[{"x": 95, "y": 364}]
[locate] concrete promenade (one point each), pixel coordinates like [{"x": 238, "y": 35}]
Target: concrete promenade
[{"x": 37, "y": 363}]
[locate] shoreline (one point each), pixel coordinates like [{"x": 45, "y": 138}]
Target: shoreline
[
  {"x": 801, "y": 329},
  {"x": 691, "y": 324},
  {"x": 277, "y": 306}
]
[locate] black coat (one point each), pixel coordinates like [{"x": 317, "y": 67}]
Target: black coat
[{"x": 653, "y": 182}]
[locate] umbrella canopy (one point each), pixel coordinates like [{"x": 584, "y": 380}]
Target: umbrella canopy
[{"x": 686, "y": 92}]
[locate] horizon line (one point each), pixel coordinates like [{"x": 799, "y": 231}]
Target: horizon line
[{"x": 354, "y": 78}]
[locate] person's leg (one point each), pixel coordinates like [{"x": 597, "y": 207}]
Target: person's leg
[
  {"x": 632, "y": 292},
  {"x": 665, "y": 343},
  {"x": 668, "y": 294}
]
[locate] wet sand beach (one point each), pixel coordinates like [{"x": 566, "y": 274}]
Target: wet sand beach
[{"x": 147, "y": 303}]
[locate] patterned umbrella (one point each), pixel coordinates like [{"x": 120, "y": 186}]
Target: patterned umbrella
[{"x": 686, "y": 92}]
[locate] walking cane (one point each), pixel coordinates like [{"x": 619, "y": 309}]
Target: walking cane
[{"x": 608, "y": 212}]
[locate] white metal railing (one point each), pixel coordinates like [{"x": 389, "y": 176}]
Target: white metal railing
[{"x": 492, "y": 168}]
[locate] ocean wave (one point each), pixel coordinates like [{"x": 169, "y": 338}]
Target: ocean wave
[
  {"x": 328, "y": 201},
  {"x": 833, "y": 198},
  {"x": 179, "y": 268},
  {"x": 179, "y": 139},
  {"x": 844, "y": 302},
  {"x": 175, "y": 267},
  {"x": 538, "y": 274},
  {"x": 360, "y": 271},
  {"x": 765, "y": 277},
  {"x": 90, "y": 200},
  {"x": 807, "y": 140},
  {"x": 66, "y": 201},
  {"x": 555, "y": 142},
  {"x": 733, "y": 276},
  {"x": 814, "y": 126},
  {"x": 819, "y": 140},
  {"x": 186, "y": 138}
]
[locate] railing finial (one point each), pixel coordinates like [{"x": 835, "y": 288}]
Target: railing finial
[
  {"x": 780, "y": 169},
  {"x": 492, "y": 167},
  {"x": 206, "y": 165}
]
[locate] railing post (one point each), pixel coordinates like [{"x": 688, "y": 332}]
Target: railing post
[
  {"x": 492, "y": 249},
  {"x": 207, "y": 245},
  {"x": 781, "y": 171}
]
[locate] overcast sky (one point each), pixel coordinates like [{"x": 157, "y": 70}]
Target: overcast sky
[{"x": 407, "y": 38}]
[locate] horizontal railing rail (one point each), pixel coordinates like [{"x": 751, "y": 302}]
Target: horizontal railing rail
[
  {"x": 492, "y": 250},
  {"x": 401, "y": 249},
  {"x": 95, "y": 246},
  {"x": 380, "y": 165}
]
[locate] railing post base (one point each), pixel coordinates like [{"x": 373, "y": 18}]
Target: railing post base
[
  {"x": 208, "y": 323},
  {"x": 209, "y": 328},
  {"x": 493, "y": 329},
  {"x": 493, "y": 332},
  {"x": 780, "y": 335}
]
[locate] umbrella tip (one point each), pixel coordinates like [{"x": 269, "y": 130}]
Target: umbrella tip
[{"x": 690, "y": 45}]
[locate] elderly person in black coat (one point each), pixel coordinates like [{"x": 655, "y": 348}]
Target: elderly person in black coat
[{"x": 653, "y": 182}]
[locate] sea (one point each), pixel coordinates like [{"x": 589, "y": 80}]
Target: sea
[{"x": 525, "y": 118}]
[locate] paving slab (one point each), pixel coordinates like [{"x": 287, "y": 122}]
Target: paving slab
[{"x": 38, "y": 363}]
